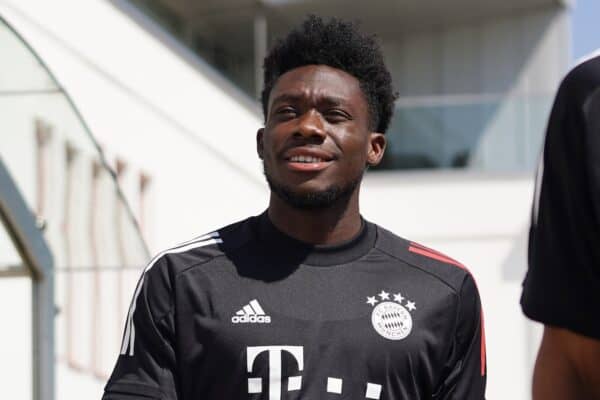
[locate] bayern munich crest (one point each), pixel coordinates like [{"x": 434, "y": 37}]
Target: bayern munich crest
[{"x": 391, "y": 317}]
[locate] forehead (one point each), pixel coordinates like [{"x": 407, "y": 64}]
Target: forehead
[{"x": 319, "y": 81}]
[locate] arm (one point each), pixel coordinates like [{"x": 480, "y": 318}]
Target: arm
[
  {"x": 145, "y": 369},
  {"x": 567, "y": 366},
  {"x": 465, "y": 372}
]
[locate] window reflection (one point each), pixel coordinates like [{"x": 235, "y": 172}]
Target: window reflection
[{"x": 498, "y": 134}]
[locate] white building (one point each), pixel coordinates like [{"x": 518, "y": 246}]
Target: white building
[{"x": 166, "y": 97}]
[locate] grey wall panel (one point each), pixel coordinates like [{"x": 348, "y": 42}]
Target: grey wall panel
[
  {"x": 523, "y": 54},
  {"x": 461, "y": 66}
]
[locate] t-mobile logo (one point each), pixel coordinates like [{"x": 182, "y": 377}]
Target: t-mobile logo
[
  {"x": 275, "y": 356},
  {"x": 255, "y": 385}
]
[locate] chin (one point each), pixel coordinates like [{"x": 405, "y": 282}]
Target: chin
[
  {"x": 310, "y": 196},
  {"x": 313, "y": 199}
]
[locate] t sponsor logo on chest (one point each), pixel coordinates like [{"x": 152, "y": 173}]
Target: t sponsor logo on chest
[
  {"x": 391, "y": 318},
  {"x": 251, "y": 313},
  {"x": 275, "y": 379}
]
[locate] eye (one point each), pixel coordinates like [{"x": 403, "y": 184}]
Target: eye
[
  {"x": 334, "y": 115},
  {"x": 286, "y": 111}
]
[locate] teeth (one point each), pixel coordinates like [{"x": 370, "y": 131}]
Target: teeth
[{"x": 306, "y": 159}]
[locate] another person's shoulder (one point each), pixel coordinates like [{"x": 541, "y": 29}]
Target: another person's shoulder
[
  {"x": 583, "y": 78},
  {"x": 431, "y": 263},
  {"x": 574, "y": 115},
  {"x": 587, "y": 67}
]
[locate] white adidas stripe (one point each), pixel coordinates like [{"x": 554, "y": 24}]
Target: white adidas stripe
[
  {"x": 197, "y": 238},
  {"x": 201, "y": 241}
]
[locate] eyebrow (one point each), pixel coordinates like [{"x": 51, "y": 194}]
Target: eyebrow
[
  {"x": 286, "y": 97},
  {"x": 290, "y": 97}
]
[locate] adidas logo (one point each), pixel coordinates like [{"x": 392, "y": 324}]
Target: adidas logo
[{"x": 252, "y": 313}]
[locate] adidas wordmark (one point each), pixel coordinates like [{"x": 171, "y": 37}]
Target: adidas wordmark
[{"x": 251, "y": 313}]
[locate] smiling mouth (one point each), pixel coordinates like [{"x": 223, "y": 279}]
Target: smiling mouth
[
  {"x": 307, "y": 163},
  {"x": 306, "y": 159}
]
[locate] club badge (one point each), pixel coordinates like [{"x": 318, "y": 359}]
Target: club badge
[{"x": 391, "y": 318}]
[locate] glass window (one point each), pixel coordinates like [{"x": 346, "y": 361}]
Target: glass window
[{"x": 497, "y": 134}]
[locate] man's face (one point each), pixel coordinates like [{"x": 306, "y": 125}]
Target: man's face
[{"x": 316, "y": 142}]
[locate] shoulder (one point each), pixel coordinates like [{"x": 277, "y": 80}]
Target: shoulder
[
  {"x": 202, "y": 249},
  {"x": 587, "y": 68},
  {"x": 430, "y": 263},
  {"x": 581, "y": 81}
]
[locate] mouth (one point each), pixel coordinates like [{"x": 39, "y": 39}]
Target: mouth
[{"x": 304, "y": 160}]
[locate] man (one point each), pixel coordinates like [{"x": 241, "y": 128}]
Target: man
[
  {"x": 562, "y": 287},
  {"x": 307, "y": 300}
]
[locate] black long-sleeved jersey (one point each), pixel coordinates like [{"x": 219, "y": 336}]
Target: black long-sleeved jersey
[{"x": 248, "y": 312}]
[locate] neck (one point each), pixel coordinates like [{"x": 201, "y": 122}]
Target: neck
[{"x": 331, "y": 225}]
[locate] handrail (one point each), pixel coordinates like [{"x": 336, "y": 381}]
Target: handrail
[
  {"x": 31, "y": 245},
  {"x": 21, "y": 226}
]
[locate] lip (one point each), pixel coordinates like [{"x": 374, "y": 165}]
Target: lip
[
  {"x": 326, "y": 156},
  {"x": 308, "y": 167}
]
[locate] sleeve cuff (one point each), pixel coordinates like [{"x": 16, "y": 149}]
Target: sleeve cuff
[{"x": 131, "y": 391}]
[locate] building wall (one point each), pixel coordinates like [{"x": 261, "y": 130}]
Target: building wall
[
  {"x": 182, "y": 126},
  {"x": 485, "y": 88},
  {"x": 164, "y": 116},
  {"x": 511, "y": 54},
  {"x": 155, "y": 115}
]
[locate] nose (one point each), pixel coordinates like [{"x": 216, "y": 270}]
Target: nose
[{"x": 311, "y": 126}]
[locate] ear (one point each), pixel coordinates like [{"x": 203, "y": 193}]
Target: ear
[
  {"x": 259, "y": 142},
  {"x": 377, "y": 144}
]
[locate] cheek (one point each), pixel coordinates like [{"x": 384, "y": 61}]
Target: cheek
[
  {"x": 274, "y": 136},
  {"x": 268, "y": 146},
  {"x": 356, "y": 149}
]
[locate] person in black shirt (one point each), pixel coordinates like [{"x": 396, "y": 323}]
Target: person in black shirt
[
  {"x": 307, "y": 300},
  {"x": 562, "y": 286}
]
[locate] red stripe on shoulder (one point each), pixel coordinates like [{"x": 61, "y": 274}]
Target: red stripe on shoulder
[
  {"x": 427, "y": 248},
  {"x": 482, "y": 350},
  {"x": 424, "y": 251}
]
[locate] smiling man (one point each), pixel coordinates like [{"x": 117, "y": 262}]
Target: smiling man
[{"x": 308, "y": 300}]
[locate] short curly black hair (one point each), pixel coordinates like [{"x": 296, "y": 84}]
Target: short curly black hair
[{"x": 338, "y": 44}]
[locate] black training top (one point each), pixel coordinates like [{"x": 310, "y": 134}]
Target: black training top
[
  {"x": 562, "y": 287},
  {"x": 248, "y": 312}
]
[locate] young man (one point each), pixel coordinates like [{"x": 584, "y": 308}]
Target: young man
[
  {"x": 307, "y": 300},
  {"x": 562, "y": 287}
]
